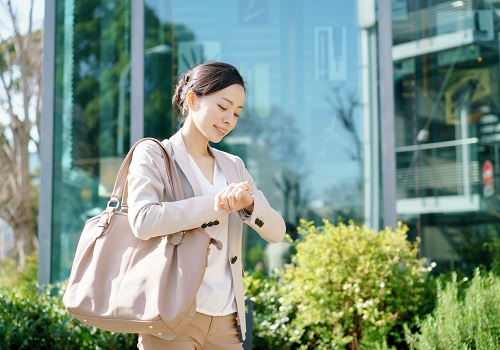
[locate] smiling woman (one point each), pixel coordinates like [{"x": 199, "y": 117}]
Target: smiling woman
[{"x": 222, "y": 196}]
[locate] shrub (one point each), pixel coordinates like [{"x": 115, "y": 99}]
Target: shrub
[
  {"x": 494, "y": 248},
  {"x": 270, "y": 316},
  {"x": 11, "y": 274},
  {"x": 348, "y": 286},
  {"x": 475, "y": 247},
  {"x": 468, "y": 320},
  {"x": 36, "y": 319}
]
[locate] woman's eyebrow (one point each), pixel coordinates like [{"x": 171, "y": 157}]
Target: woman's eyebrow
[{"x": 231, "y": 102}]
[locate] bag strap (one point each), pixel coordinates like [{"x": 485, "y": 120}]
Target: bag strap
[
  {"x": 120, "y": 183},
  {"x": 124, "y": 204}
]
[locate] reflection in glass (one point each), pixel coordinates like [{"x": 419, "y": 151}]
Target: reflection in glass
[
  {"x": 92, "y": 60},
  {"x": 300, "y": 133},
  {"x": 447, "y": 118}
]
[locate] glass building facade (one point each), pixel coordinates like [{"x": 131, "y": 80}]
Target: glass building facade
[
  {"x": 446, "y": 87},
  {"x": 304, "y": 133},
  {"x": 314, "y": 133}
]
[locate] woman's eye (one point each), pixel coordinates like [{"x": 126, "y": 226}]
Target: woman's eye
[
  {"x": 224, "y": 109},
  {"x": 236, "y": 115}
]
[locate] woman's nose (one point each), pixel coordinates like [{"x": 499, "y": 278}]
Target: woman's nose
[{"x": 229, "y": 118}]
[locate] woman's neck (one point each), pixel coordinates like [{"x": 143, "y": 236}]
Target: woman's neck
[{"x": 196, "y": 143}]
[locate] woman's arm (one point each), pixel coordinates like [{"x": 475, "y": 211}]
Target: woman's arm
[{"x": 149, "y": 215}]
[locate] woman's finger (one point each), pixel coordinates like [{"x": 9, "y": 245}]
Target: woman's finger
[
  {"x": 233, "y": 198},
  {"x": 229, "y": 198},
  {"x": 218, "y": 201}
]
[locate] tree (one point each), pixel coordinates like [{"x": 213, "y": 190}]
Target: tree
[
  {"x": 344, "y": 108},
  {"x": 347, "y": 197},
  {"x": 20, "y": 100}
]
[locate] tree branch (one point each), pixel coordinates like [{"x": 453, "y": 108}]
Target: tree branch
[
  {"x": 20, "y": 74},
  {"x": 13, "y": 18}
]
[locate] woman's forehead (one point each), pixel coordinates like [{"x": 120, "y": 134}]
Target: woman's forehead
[{"x": 233, "y": 94}]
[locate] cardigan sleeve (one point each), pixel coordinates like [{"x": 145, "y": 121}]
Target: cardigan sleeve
[{"x": 151, "y": 211}]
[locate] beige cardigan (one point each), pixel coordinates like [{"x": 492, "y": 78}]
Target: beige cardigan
[{"x": 150, "y": 214}]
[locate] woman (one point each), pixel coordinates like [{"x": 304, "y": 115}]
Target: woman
[{"x": 210, "y": 98}]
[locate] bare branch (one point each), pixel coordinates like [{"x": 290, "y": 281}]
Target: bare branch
[
  {"x": 344, "y": 109},
  {"x": 20, "y": 79},
  {"x": 30, "y": 21},
  {"x": 7, "y": 89},
  {"x": 13, "y": 18}
]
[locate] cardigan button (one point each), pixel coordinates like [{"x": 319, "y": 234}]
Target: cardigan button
[
  {"x": 216, "y": 222},
  {"x": 233, "y": 259},
  {"x": 259, "y": 222},
  {"x": 204, "y": 226}
]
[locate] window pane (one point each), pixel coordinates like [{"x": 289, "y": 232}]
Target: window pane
[
  {"x": 91, "y": 109},
  {"x": 301, "y": 132},
  {"x": 447, "y": 121}
]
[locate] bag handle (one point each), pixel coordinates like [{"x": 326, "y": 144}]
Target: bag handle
[
  {"x": 120, "y": 182},
  {"x": 168, "y": 148}
]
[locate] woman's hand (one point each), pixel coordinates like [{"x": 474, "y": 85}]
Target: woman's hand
[{"x": 235, "y": 197}]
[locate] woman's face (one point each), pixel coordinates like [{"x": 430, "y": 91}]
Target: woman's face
[{"x": 215, "y": 115}]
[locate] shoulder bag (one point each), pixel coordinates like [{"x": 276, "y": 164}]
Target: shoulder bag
[{"x": 123, "y": 284}]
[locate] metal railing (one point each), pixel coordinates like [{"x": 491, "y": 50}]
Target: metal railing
[{"x": 441, "y": 168}]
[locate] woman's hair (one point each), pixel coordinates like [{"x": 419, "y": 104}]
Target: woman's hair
[{"x": 205, "y": 79}]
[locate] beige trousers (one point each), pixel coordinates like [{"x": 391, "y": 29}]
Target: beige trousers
[{"x": 205, "y": 332}]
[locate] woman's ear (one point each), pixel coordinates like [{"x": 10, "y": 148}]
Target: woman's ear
[{"x": 192, "y": 100}]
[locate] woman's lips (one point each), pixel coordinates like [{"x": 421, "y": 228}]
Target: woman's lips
[{"x": 220, "y": 130}]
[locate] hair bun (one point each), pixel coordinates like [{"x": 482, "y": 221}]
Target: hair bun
[{"x": 177, "y": 97}]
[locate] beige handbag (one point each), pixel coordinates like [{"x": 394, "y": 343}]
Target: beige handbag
[{"x": 123, "y": 284}]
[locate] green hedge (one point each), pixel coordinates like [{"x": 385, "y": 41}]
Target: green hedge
[
  {"x": 348, "y": 286},
  {"x": 465, "y": 318},
  {"x": 35, "y": 318},
  {"x": 494, "y": 247},
  {"x": 12, "y": 275}
]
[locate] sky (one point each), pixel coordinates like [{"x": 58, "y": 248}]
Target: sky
[{"x": 21, "y": 8}]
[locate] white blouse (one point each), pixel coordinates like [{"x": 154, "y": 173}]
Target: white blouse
[{"x": 216, "y": 294}]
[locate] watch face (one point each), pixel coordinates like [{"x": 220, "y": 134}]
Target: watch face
[{"x": 253, "y": 11}]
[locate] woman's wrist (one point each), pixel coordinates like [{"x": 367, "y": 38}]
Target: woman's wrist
[{"x": 249, "y": 210}]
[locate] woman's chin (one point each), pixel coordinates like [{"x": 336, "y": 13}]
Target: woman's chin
[{"x": 216, "y": 140}]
